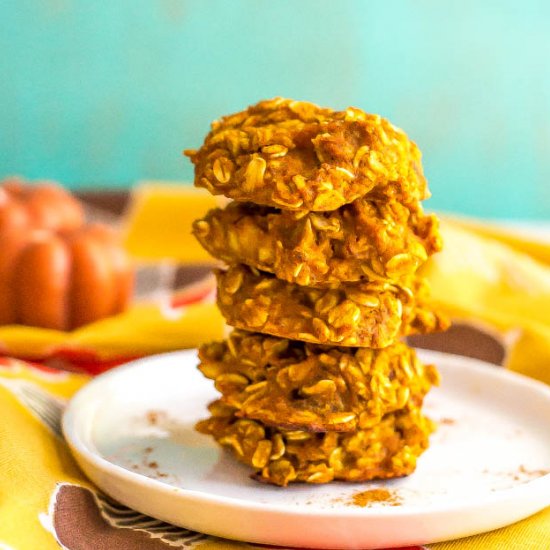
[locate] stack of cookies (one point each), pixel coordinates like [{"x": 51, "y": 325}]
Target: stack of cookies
[{"x": 322, "y": 241}]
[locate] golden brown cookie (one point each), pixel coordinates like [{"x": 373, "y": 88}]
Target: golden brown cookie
[
  {"x": 366, "y": 240},
  {"x": 372, "y": 314},
  {"x": 387, "y": 450},
  {"x": 293, "y": 385},
  {"x": 296, "y": 155}
]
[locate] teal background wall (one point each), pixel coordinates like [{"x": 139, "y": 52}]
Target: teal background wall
[{"x": 107, "y": 93}]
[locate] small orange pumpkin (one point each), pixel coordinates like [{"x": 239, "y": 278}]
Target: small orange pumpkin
[
  {"x": 62, "y": 281},
  {"x": 44, "y": 205}
]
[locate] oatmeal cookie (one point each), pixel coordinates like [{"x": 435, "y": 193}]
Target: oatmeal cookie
[
  {"x": 371, "y": 314},
  {"x": 366, "y": 240},
  {"x": 296, "y": 155},
  {"x": 387, "y": 450},
  {"x": 293, "y": 385}
]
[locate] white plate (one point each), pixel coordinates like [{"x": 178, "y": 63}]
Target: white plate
[{"x": 131, "y": 431}]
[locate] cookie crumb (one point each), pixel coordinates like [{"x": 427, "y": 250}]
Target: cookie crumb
[
  {"x": 153, "y": 417},
  {"x": 533, "y": 473}
]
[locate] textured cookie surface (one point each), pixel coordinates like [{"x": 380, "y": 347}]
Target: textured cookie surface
[
  {"x": 372, "y": 314},
  {"x": 293, "y": 385},
  {"x": 299, "y": 156},
  {"x": 387, "y": 450},
  {"x": 365, "y": 240}
]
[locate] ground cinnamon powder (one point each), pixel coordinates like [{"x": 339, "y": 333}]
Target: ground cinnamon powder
[{"x": 366, "y": 498}]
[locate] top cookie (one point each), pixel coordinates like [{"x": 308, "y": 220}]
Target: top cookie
[{"x": 296, "y": 155}]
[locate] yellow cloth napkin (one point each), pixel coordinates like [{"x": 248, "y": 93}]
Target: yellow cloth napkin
[
  {"x": 46, "y": 502},
  {"x": 159, "y": 219},
  {"x": 499, "y": 282},
  {"x": 144, "y": 329}
]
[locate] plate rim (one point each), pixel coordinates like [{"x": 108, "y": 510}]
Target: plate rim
[{"x": 80, "y": 447}]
